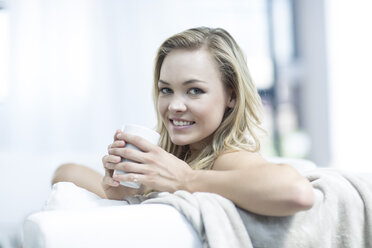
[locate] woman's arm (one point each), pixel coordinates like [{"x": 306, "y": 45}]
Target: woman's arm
[
  {"x": 254, "y": 184},
  {"x": 243, "y": 177},
  {"x": 81, "y": 176}
]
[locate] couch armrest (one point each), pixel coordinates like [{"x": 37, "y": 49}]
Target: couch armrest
[{"x": 148, "y": 225}]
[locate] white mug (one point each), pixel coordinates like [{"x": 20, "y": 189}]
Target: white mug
[{"x": 144, "y": 132}]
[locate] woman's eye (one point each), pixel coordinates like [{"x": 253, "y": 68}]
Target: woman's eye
[
  {"x": 196, "y": 91},
  {"x": 165, "y": 90}
]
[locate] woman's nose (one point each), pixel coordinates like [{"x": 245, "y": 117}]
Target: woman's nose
[{"x": 177, "y": 105}]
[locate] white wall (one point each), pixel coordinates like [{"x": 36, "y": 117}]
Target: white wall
[{"x": 350, "y": 53}]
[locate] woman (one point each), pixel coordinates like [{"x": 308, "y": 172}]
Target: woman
[{"x": 208, "y": 118}]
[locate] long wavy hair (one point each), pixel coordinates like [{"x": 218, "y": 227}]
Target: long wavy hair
[{"x": 240, "y": 126}]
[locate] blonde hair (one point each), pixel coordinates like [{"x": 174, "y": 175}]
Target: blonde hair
[{"x": 240, "y": 125}]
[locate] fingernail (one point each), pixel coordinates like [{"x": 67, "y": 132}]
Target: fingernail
[{"x": 119, "y": 135}]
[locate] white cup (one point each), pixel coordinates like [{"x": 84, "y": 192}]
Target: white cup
[{"x": 144, "y": 132}]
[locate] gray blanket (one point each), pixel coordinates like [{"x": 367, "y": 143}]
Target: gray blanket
[{"x": 341, "y": 216}]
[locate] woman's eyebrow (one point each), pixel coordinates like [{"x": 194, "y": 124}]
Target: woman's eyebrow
[
  {"x": 163, "y": 82},
  {"x": 184, "y": 83}
]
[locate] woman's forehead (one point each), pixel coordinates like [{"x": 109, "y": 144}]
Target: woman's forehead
[{"x": 183, "y": 65}]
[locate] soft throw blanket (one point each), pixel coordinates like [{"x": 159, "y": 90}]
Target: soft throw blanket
[
  {"x": 215, "y": 219},
  {"x": 341, "y": 216}
]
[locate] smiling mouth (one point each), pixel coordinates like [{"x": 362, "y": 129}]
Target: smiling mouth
[{"x": 182, "y": 123}]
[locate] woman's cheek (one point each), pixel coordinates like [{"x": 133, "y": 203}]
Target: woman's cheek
[{"x": 161, "y": 107}]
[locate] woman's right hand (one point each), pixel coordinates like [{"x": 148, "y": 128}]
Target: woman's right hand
[{"x": 113, "y": 189}]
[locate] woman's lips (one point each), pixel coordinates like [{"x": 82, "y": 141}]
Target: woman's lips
[{"x": 181, "y": 124}]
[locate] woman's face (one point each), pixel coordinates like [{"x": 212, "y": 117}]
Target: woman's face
[{"x": 192, "y": 97}]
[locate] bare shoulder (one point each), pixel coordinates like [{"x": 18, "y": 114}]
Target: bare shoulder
[
  {"x": 238, "y": 160},
  {"x": 244, "y": 160}
]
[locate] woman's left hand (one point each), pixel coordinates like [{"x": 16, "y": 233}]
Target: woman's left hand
[{"x": 151, "y": 166}]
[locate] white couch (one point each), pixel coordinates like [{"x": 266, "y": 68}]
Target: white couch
[{"x": 104, "y": 223}]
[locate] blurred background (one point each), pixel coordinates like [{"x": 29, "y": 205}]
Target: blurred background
[{"x": 73, "y": 71}]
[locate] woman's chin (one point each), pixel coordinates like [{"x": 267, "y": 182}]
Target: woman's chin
[{"x": 179, "y": 142}]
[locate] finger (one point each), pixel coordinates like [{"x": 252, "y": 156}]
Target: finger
[
  {"x": 110, "y": 181},
  {"x": 131, "y": 167},
  {"x": 104, "y": 160},
  {"x": 119, "y": 135},
  {"x": 138, "y": 142},
  {"x": 119, "y": 166},
  {"x": 118, "y": 143},
  {"x": 129, "y": 177},
  {"x": 109, "y": 173},
  {"x": 129, "y": 153},
  {"x": 116, "y": 134},
  {"x": 110, "y": 166},
  {"x": 116, "y": 151},
  {"x": 111, "y": 159}
]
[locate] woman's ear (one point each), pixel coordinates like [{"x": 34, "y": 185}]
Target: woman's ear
[{"x": 231, "y": 99}]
